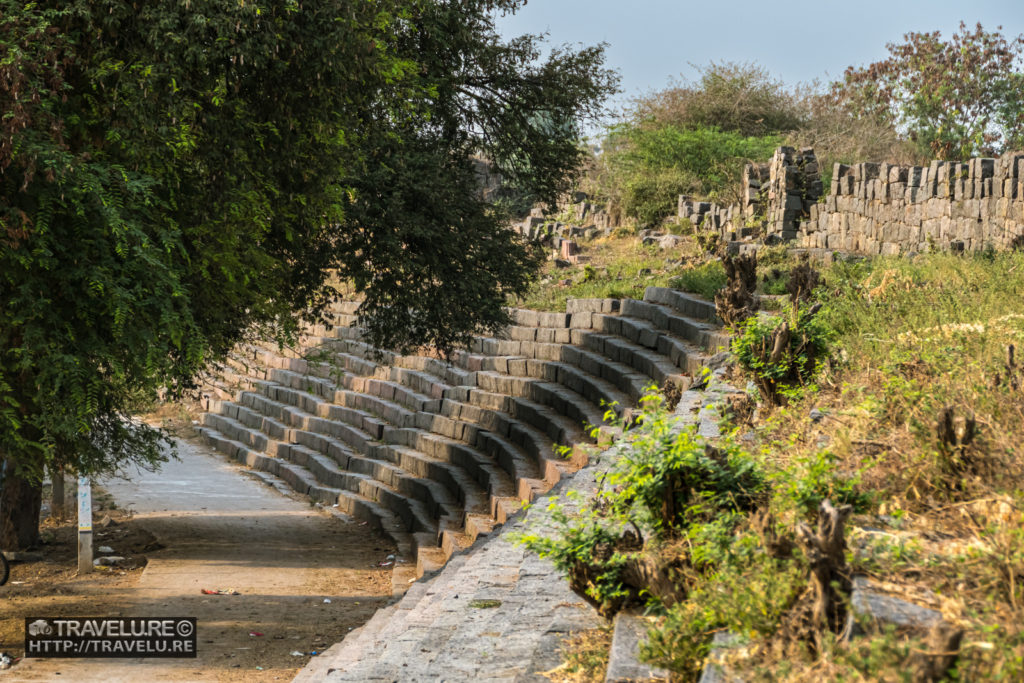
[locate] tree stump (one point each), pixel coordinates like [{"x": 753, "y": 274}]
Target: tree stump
[
  {"x": 943, "y": 648},
  {"x": 736, "y": 302},
  {"x": 830, "y": 576}
]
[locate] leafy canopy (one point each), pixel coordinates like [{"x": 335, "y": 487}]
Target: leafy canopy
[
  {"x": 175, "y": 176},
  {"x": 693, "y": 138},
  {"x": 956, "y": 98}
]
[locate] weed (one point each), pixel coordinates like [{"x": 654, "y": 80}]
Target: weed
[{"x": 808, "y": 480}]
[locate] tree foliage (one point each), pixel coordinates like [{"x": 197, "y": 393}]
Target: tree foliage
[
  {"x": 693, "y": 139},
  {"x": 647, "y": 168},
  {"x": 734, "y": 97},
  {"x": 958, "y": 98},
  {"x": 174, "y": 176}
]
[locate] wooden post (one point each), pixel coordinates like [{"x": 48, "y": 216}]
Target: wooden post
[
  {"x": 84, "y": 525},
  {"x": 57, "y": 493}
]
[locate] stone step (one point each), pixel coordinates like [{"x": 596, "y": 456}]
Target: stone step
[
  {"x": 414, "y": 501},
  {"x": 558, "y": 363},
  {"x": 525, "y": 317},
  {"x": 489, "y": 477},
  {"x": 541, "y": 335},
  {"x": 309, "y": 430},
  {"x": 499, "y": 425},
  {"x": 351, "y": 504},
  {"x": 529, "y": 437},
  {"x": 449, "y": 374},
  {"x": 496, "y": 502},
  {"x": 685, "y": 303},
  {"x": 622, "y": 375},
  {"x": 607, "y": 306},
  {"x": 651, "y": 363},
  {"x": 629, "y": 366},
  {"x": 669, "y": 355},
  {"x": 664, "y": 318},
  {"x": 558, "y": 428},
  {"x": 644, "y": 333}
]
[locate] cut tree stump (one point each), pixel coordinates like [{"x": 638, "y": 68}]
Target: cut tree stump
[{"x": 830, "y": 575}]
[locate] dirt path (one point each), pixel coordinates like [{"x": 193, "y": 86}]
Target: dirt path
[{"x": 221, "y": 529}]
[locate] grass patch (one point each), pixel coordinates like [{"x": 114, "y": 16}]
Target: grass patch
[
  {"x": 586, "y": 657},
  {"x": 705, "y": 279},
  {"x": 918, "y": 342},
  {"x": 611, "y": 268}
]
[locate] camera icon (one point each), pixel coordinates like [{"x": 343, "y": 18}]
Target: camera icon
[{"x": 40, "y": 627}]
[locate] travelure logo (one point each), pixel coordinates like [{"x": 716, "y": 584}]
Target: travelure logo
[
  {"x": 110, "y": 637},
  {"x": 40, "y": 627}
]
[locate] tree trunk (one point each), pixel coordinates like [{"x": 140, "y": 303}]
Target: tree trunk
[
  {"x": 20, "y": 501},
  {"x": 57, "y": 493}
]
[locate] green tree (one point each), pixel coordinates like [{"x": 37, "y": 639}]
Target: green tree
[
  {"x": 956, "y": 99},
  {"x": 177, "y": 176}
]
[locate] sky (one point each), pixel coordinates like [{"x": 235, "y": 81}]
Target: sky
[{"x": 650, "y": 42}]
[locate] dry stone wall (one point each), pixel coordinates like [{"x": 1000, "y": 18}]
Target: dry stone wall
[
  {"x": 875, "y": 208},
  {"x": 777, "y": 198},
  {"x": 886, "y": 209}
]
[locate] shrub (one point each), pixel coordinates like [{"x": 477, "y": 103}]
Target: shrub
[
  {"x": 813, "y": 479},
  {"x": 782, "y": 354},
  {"x": 669, "y": 479},
  {"x": 644, "y": 169},
  {"x": 668, "y": 482},
  {"x": 743, "y": 98},
  {"x": 593, "y": 552}
]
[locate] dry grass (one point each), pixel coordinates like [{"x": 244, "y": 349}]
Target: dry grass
[
  {"x": 915, "y": 339},
  {"x": 586, "y": 657}
]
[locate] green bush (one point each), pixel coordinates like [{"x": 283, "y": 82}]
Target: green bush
[
  {"x": 647, "y": 168},
  {"x": 591, "y": 551},
  {"x": 669, "y": 479},
  {"x": 813, "y": 479},
  {"x": 809, "y": 340},
  {"x": 668, "y": 482}
]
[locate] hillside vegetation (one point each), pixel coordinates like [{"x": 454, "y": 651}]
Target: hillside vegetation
[{"x": 912, "y": 414}]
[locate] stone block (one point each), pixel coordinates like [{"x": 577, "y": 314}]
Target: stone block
[
  {"x": 623, "y": 659},
  {"x": 914, "y": 176}
]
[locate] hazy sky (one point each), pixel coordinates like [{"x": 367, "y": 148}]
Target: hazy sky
[{"x": 652, "y": 41}]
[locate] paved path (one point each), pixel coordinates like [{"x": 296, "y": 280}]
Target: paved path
[{"x": 224, "y": 529}]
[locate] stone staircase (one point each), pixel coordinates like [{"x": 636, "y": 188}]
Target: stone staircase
[
  {"x": 436, "y": 453},
  {"x": 496, "y": 612}
]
